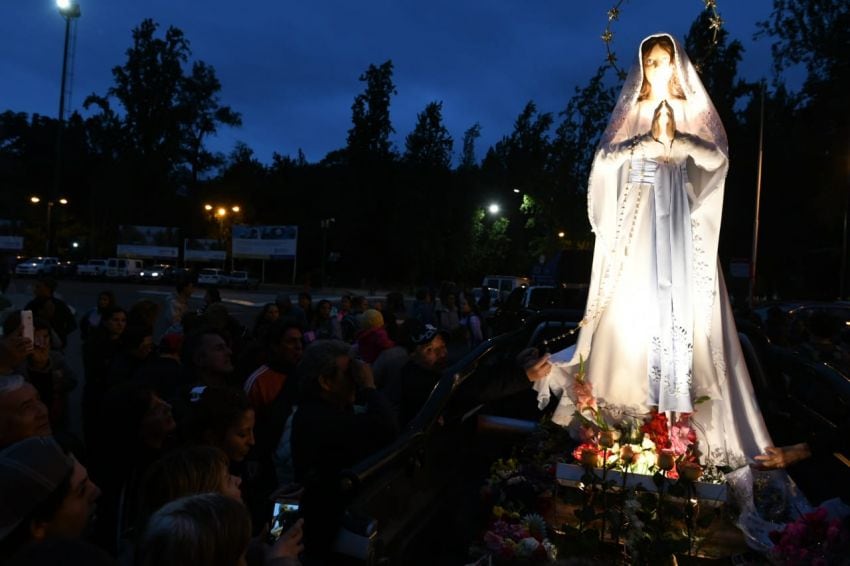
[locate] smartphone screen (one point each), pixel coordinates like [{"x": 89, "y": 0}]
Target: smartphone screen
[
  {"x": 26, "y": 323},
  {"x": 283, "y": 517}
]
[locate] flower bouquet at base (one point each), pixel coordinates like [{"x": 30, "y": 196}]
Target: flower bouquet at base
[
  {"x": 630, "y": 449},
  {"x": 814, "y": 538},
  {"x": 514, "y": 539}
]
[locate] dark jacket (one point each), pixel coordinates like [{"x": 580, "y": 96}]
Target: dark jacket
[{"x": 326, "y": 440}]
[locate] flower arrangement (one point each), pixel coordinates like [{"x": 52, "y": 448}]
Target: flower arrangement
[
  {"x": 511, "y": 537},
  {"x": 813, "y": 539},
  {"x": 640, "y": 444}
]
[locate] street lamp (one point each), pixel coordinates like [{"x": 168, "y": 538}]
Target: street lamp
[
  {"x": 494, "y": 208},
  {"x": 220, "y": 213},
  {"x": 36, "y": 200},
  {"x": 70, "y": 10}
]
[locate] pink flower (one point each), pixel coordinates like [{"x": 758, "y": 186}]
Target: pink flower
[
  {"x": 587, "y": 454},
  {"x": 682, "y": 436},
  {"x": 583, "y": 393}
]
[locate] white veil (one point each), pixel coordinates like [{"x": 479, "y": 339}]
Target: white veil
[
  {"x": 695, "y": 115},
  {"x": 700, "y": 117}
]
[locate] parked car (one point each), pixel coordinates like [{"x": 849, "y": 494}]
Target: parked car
[
  {"x": 38, "y": 266},
  {"x": 175, "y": 274},
  {"x": 94, "y": 268},
  {"x": 505, "y": 283},
  {"x": 801, "y": 379},
  {"x": 523, "y": 302},
  {"x": 154, "y": 273},
  {"x": 241, "y": 279},
  {"x": 211, "y": 276},
  {"x": 66, "y": 268},
  {"x": 123, "y": 268}
]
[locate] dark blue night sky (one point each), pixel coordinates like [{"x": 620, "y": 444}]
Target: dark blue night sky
[{"x": 291, "y": 68}]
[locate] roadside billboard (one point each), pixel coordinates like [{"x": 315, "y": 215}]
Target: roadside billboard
[
  {"x": 157, "y": 242},
  {"x": 10, "y": 235},
  {"x": 203, "y": 249},
  {"x": 265, "y": 242}
]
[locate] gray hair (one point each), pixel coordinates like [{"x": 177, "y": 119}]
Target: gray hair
[
  {"x": 10, "y": 383},
  {"x": 319, "y": 361},
  {"x": 209, "y": 528},
  {"x": 320, "y": 358}
]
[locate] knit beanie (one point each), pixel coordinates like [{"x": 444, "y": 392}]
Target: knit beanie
[
  {"x": 30, "y": 471},
  {"x": 372, "y": 319}
]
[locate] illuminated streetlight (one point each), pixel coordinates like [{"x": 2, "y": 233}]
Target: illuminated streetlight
[
  {"x": 516, "y": 191},
  {"x": 70, "y": 10},
  {"x": 37, "y": 200},
  {"x": 561, "y": 234},
  {"x": 220, "y": 213},
  {"x": 75, "y": 245},
  {"x": 493, "y": 208}
]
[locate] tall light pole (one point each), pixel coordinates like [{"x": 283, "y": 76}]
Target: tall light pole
[
  {"x": 68, "y": 9},
  {"x": 36, "y": 200},
  {"x": 220, "y": 212}
]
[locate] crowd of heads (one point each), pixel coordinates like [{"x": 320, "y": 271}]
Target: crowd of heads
[{"x": 185, "y": 413}]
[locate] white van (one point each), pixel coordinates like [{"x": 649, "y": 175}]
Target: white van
[
  {"x": 123, "y": 268},
  {"x": 211, "y": 276},
  {"x": 505, "y": 283}
]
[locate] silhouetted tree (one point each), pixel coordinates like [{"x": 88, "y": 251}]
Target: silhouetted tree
[
  {"x": 158, "y": 137},
  {"x": 369, "y": 136},
  {"x": 429, "y": 145}
]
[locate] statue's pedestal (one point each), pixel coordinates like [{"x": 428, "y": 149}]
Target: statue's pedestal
[
  {"x": 715, "y": 536},
  {"x": 567, "y": 474}
]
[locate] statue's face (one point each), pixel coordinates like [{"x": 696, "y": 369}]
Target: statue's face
[{"x": 658, "y": 68}]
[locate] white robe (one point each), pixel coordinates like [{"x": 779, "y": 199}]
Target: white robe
[{"x": 659, "y": 330}]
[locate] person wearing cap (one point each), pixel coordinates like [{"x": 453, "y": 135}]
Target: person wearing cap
[
  {"x": 428, "y": 360},
  {"x": 45, "y": 493},
  {"x": 428, "y": 356}
]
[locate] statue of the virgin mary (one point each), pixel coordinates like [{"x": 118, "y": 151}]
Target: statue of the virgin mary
[{"x": 658, "y": 331}]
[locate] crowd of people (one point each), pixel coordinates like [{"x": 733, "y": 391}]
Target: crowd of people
[{"x": 190, "y": 438}]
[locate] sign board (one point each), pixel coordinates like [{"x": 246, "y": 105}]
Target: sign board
[
  {"x": 156, "y": 242},
  {"x": 203, "y": 249},
  {"x": 265, "y": 242}
]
